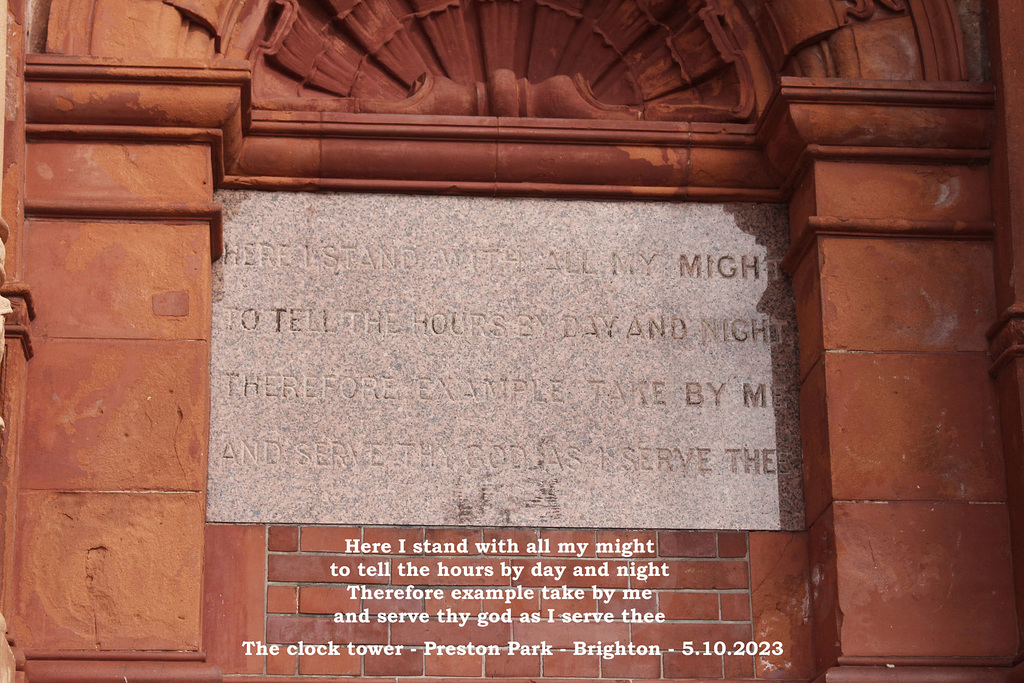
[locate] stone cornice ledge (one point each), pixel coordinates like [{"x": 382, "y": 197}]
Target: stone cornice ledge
[
  {"x": 109, "y": 99},
  {"x": 866, "y": 120},
  {"x": 806, "y": 119}
]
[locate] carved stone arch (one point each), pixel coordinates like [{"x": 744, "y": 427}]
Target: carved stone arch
[
  {"x": 628, "y": 59},
  {"x": 875, "y": 39},
  {"x": 712, "y": 60}
]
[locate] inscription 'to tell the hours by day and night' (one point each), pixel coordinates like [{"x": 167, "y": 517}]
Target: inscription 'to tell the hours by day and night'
[{"x": 442, "y": 360}]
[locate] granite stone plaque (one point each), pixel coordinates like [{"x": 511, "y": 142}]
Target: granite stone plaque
[{"x": 504, "y": 362}]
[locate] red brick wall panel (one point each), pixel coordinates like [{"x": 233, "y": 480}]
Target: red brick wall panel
[{"x": 701, "y": 599}]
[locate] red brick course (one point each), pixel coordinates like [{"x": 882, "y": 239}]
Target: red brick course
[{"x": 704, "y": 597}]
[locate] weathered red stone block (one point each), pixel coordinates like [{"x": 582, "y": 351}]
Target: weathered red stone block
[
  {"x": 328, "y": 539},
  {"x": 732, "y": 544},
  {"x": 587, "y": 164},
  {"x": 91, "y": 171},
  {"x": 807, "y": 291},
  {"x": 330, "y": 665},
  {"x": 879, "y": 191},
  {"x": 913, "y": 427},
  {"x": 408, "y": 663},
  {"x": 781, "y": 603},
  {"x": 117, "y": 415},
  {"x": 234, "y": 585},
  {"x": 826, "y": 624},
  {"x": 128, "y": 574},
  {"x": 686, "y": 543},
  {"x": 722, "y": 168},
  {"x": 945, "y": 300},
  {"x": 423, "y": 159},
  {"x": 327, "y": 600},
  {"x": 120, "y": 280},
  {"x": 912, "y": 590}
]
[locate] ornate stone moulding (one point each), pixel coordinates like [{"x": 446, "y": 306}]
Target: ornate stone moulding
[
  {"x": 659, "y": 60},
  {"x": 681, "y": 99}
]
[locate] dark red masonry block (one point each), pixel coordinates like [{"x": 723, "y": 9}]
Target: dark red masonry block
[
  {"x": 292, "y": 629},
  {"x": 690, "y": 606},
  {"x": 513, "y": 665},
  {"x": 686, "y": 543},
  {"x": 395, "y": 536},
  {"x": 329, "y": 539},
  {"x": 407, "y": 663},
  {"x": 330, "y": 665},
  {"x": 283, "y": 538},
  {"x": 456, "y": 536},
  {"x": 631, "y": 666},
  {"x": 677, "y": 665},
  {"x": 327, "y": 600},
  {"x": 317, "y": 569},
  {"x": 462, "y": 666},
  {"x": 565, "y": 664},
  {"x": 732, "y": 544}
]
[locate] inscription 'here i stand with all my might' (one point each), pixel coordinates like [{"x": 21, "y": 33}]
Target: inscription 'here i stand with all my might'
[{"x": 411, "y": 360}]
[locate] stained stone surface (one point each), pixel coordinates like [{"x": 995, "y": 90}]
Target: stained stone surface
[{"x": 384, "y": 359}]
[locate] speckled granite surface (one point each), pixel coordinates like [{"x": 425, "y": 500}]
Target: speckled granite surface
[{"x": 382, "y": 359}]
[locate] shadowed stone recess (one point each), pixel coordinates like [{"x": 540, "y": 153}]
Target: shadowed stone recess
[{"x": 464, "y": 361}]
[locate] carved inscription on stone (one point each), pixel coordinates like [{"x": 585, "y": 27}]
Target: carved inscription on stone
[{"x": 433, "y": 360}]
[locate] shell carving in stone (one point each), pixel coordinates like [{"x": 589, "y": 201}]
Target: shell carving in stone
[{"x": 648, "y": 59}]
